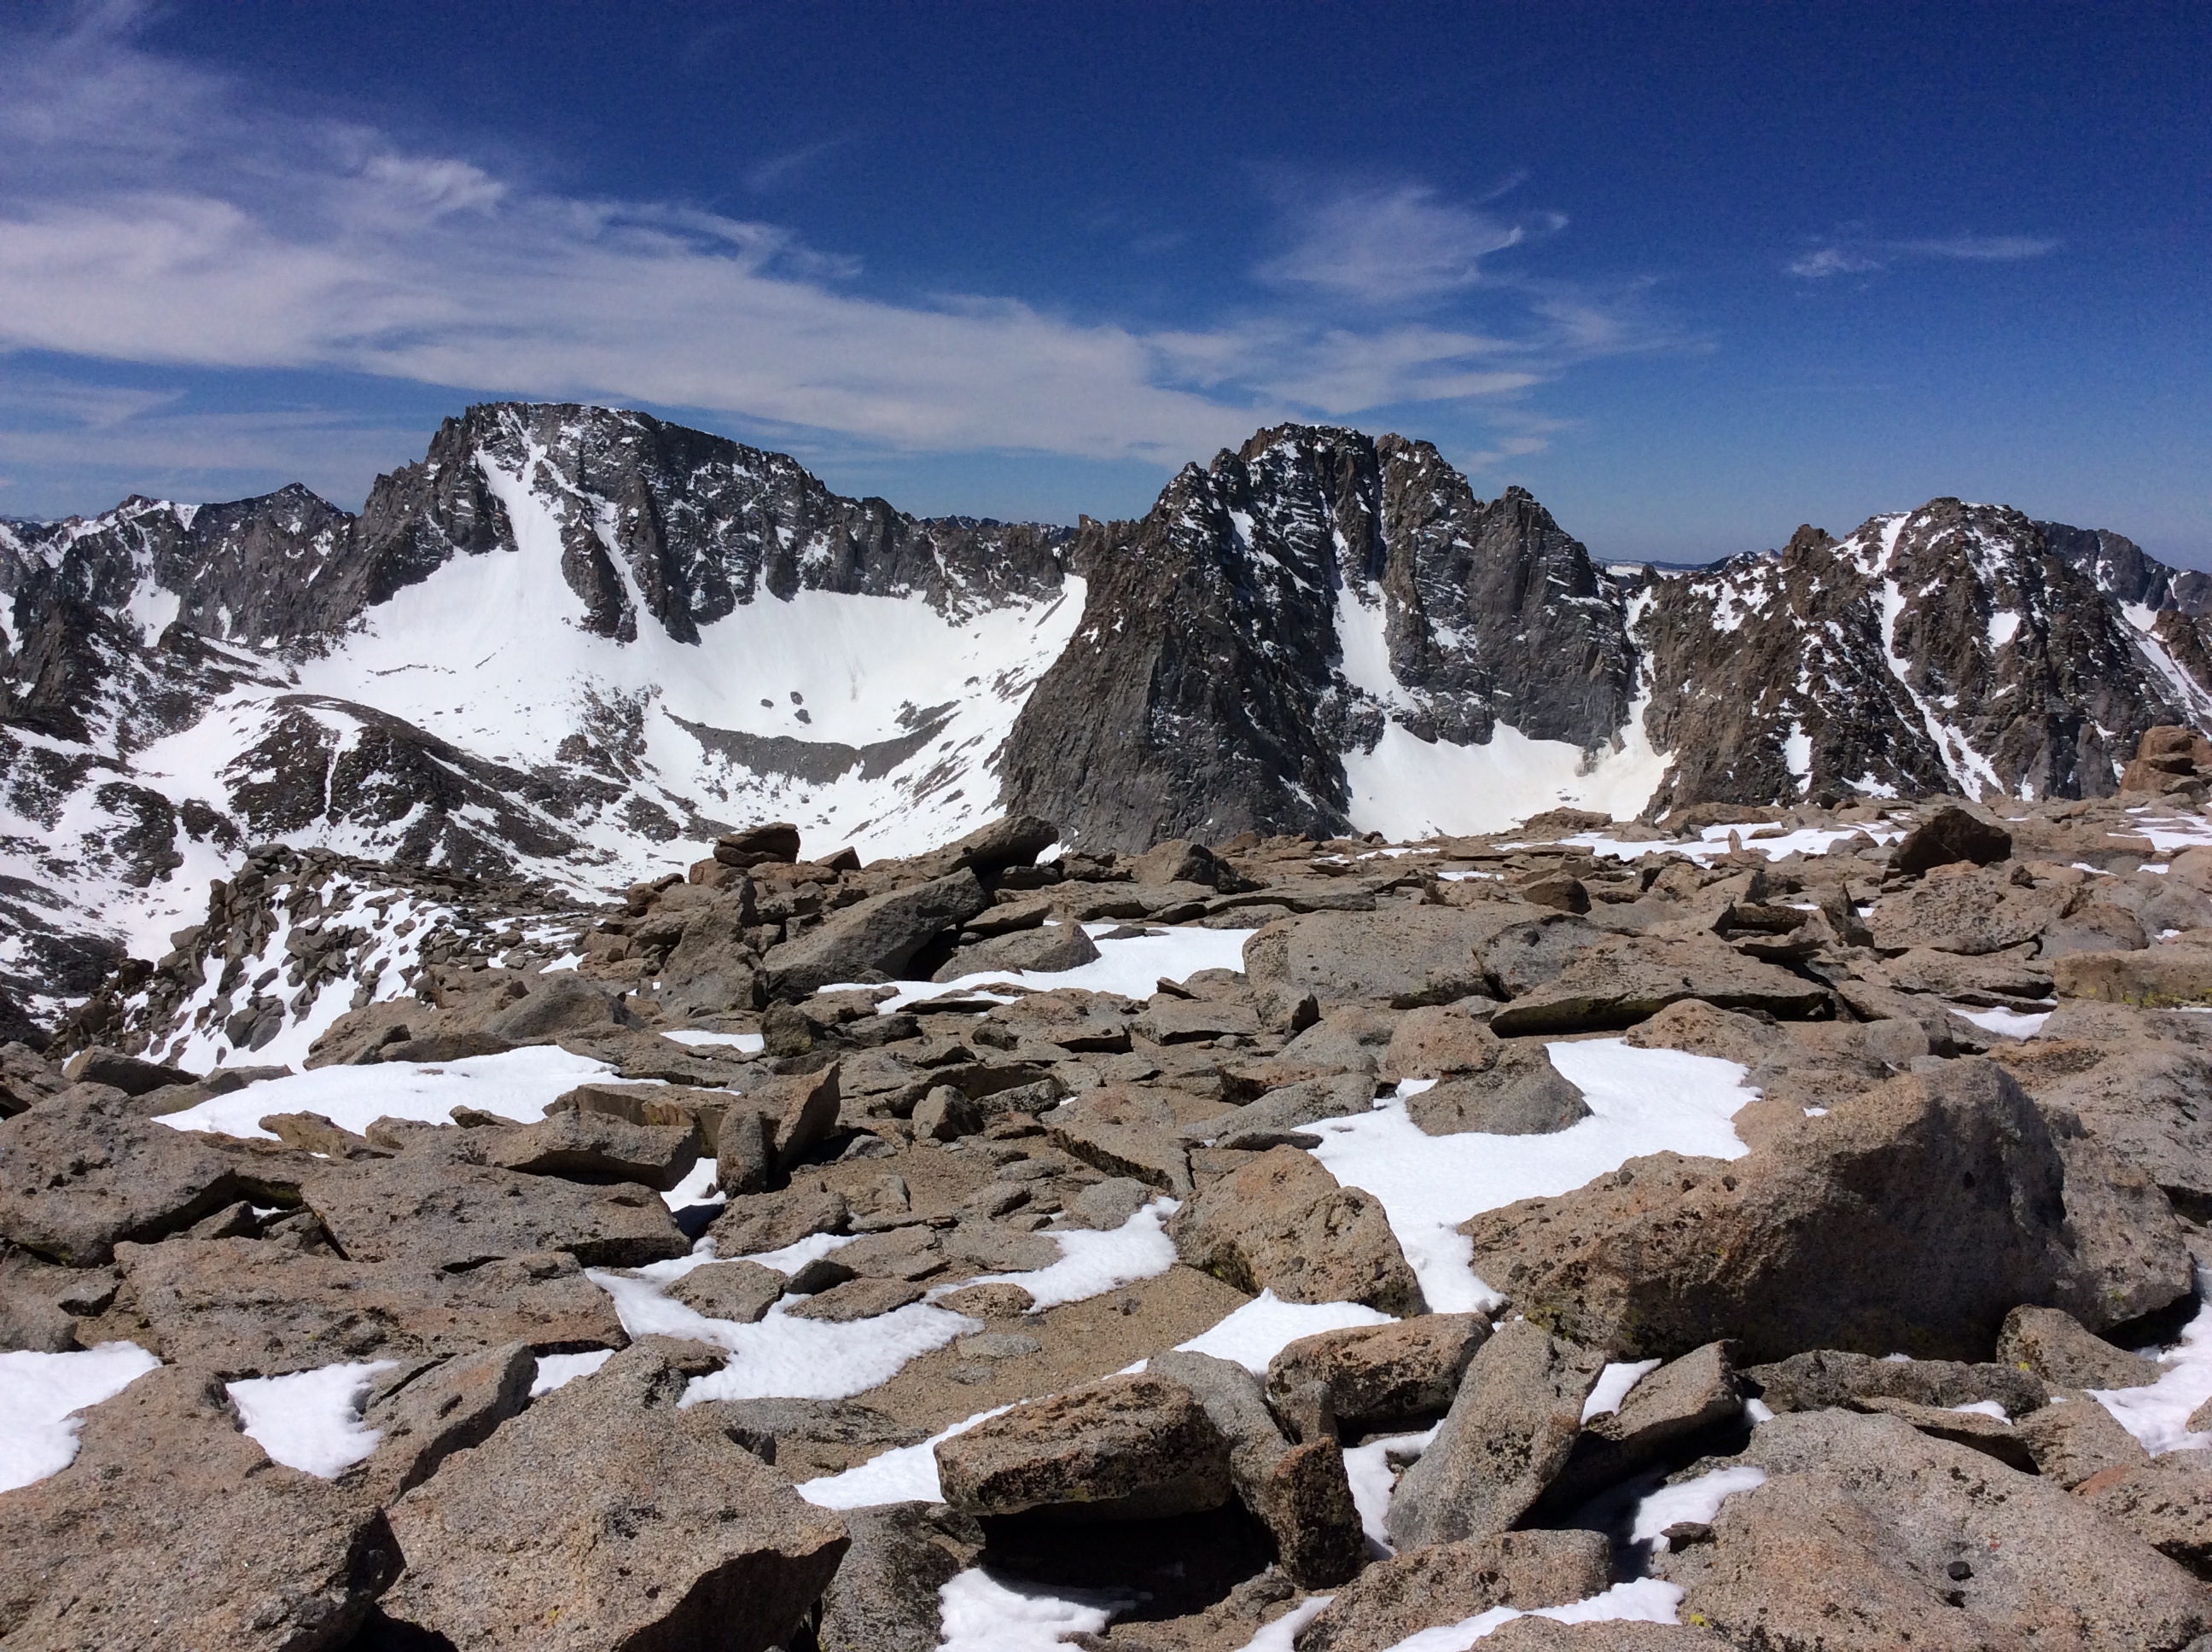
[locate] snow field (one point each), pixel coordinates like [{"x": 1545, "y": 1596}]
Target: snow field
[
  {"x": 518, "y": 1085},
  {"x": 311, "y": 1420},
  {"x": 1130, "y": 968},
  {"x": 979, "y": 1612},
  {"x": 2157, "y": 1414},
  {"x": 1640, "y": 1100},
  {"x": 40, "y": 1396}
]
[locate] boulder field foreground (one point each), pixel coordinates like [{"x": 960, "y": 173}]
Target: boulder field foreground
[{"x": 1770, "y": 1229}]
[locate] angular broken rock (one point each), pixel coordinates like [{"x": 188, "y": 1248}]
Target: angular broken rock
[
  {"x": 2167, "y": 1502},
  {"x": 559, "y": 1002},
  {"x": 1282, "y": 1223},
  {"x": 1447, "y": 1583},
  {"x": 1681, "y": 1399},
  {"x": 1911, "y": 1219},
  {"x": 1274, "y": 1119},
  {"x": 741, "y": 1292},
  {"x": 1383, "y": 1378},
  {"x": 79, "y": 1172},
  {"x": 595, "y": 1146},
  {"x": 712, "y": 968},
  {"x": 1530, "y": 1633},
  {"x": 1437, "y": 1042},
  {"x": 249, "y": 1308},
  {"x": 432, "y": 1207},
  {"x": 1107, "y": 1205},
  {"x": 1048, "y": 947},
  {"x": 883, "y": 1598},
  {"x": 758, "y": 1222},
  {"x": 877, "y": 936},
  {"x": 171, "y": 1529},
  {"x": 1868, "y": 1534},
  {"x": 605, "y": 1516},
  {"x": 1420, "y": 955},
  {"x": 1300, "y": 1493},
  {"x": 1511, "y": 1430},
  {"x": 127, "y": 1074},
  {"x": 1950, "y": 834},
  {"x": 441, "y": 1409},
  {"x": 2074, "y": 1437},
  {"x": 1124, "y": 1133},
  {"x": 856, "y": 1299},
  {"x": 2146, "y": 1098},
  {"x": 1826, "y": 1377},
  {"x": 2158, "y": 977},
  {"x": 1619, "y": 983},
  {"x": 1518, "y": 1093},
  {"x": 1956, "y": 910},
  {"x": 1125, "y": 1447},
  {"x": 2055, "y": 1347}
]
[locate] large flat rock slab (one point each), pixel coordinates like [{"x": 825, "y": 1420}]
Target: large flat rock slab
[
  {"x": 251, "y": 1308},
  {"x": 172, "y": 1529},
  {"x": 606, "y": 1516},
  {"x": 1619, "y": 983},
  {"x": 79, "y": 1172}
]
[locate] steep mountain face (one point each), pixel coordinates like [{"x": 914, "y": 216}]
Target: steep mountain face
[
  {"x": 567, "y": 638},
  {"x": 571, "y": 642},
  {"x": 1946, "y": 649},
  {"x": 1296, "y": 608}
]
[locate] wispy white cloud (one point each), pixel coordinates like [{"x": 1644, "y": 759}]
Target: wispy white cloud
[
  {"x": 1858, "y": 255},
  {"x": 1392, "y": 244},
  {"x": 154, "y": 213}
]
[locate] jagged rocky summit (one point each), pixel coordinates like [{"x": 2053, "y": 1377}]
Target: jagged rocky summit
[{"x": 572, "y": 645}]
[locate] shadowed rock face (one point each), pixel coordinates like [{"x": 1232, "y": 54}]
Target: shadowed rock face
[{"x": 1272, "y": 609}]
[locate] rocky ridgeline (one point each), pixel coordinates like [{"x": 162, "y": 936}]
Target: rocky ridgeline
[
  {"x": 298, "y": 936},
  {"x": 1832, "y": 1392},
  {"x": 1301, "y": 613}
]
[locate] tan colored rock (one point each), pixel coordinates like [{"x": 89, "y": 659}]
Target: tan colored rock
[
  {"x": 605, "y": 1515},
  {"x": 2158, "y": 977},
  {"x": 741, "y": 1292},
  {"x": 1123, "y": 1132},
  {"x": 594, "y": 1147},
  {"x": 1618, "y": 983},
  {"x": 1511, "y": 1431},
  {"x": 1866, "y": 1534},
  {"x": 856, "y": 1299},
  {"x": 763, "y": 1222},
  {"x": 1518, "y": 1093},
  {"x": 1126, "y": 1448},
  {"x": 1446, "y": 1583},
  {"x": 2054, "y": 1346},
  {"x": 79, "y": 1172},
  {"x": 1282, "y": 1223},
  {"x": 434, "y": 1206},
  {"x": 171, "y": 1529},
  {"x": 1383, "y": 1378},
  {"x": 1437, "y": 1041},
  {"x": 2166, "y": 1501},
  {"x": 249, "y": 1307},
  {"x": 2074, "y": 1437},
  {"x": 1911, "y": 1219},
  {"x": 1682, "y": 1398}
]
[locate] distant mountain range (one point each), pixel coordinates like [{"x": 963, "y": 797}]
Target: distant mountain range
[{"x": 573, "y": 643}]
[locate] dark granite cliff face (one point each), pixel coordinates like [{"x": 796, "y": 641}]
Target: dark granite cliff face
[
  {"x": 662, "y": 632},
  {"x": 1276, "y": 608}
]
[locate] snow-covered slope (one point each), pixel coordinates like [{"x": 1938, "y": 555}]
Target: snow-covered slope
[{"x": 572, "y": 645}]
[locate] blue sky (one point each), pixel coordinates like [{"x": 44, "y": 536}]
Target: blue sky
[{"x": 1693, "y": 274}]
